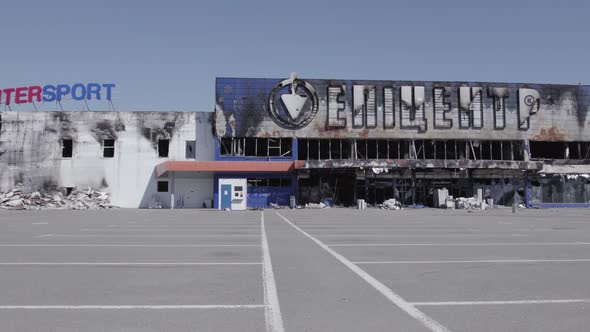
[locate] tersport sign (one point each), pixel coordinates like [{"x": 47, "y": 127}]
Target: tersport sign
[{"x": 57, "y": 92}]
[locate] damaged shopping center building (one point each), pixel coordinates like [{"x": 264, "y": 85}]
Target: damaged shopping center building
[
  {"x": 298, "y": 141},
  {"x": 376, "y": 140}
]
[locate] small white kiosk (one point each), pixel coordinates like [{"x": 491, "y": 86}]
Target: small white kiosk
[{"x": 232, "y": 194}]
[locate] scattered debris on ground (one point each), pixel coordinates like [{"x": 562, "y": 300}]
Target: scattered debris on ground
[
  {"x": 319, "y": 205},
  {"x": 392, "y": 204},
  {"x": 88, "y": 199}
]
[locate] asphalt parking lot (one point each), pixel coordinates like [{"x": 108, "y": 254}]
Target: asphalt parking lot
[{"x": 295, "y": 270}]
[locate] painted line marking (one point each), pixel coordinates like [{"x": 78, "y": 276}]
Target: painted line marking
[
  {"x": 128, "y": 307},
  {"x": 459, "y": 244},
  {"x": 150, "y": 230},
  {"x": 148, "y": 235},
  {"x": 397, "y": 300},
  {"x": 130, "y": 245},
  {"x": 272, "y": 310},
  {"x": 411, "y": 235},
  {"x": 123, "y": 264},
  {"x": 498, "y": 261},
  {"x": 458, "y": 303},
  {"x": 40, "y": 223}
]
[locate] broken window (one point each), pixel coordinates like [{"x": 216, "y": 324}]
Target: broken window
[
  {"x": 163, "y": 186},
  {"x": 190, "y": 150},
  {"x": 559, "y": 150},
  {"x": 324, "y": 149},
  {"x": 547, "y": 150},
  {"x": 393, "y": 149},
  {"x": 361, "y": 149},
  {"x": 286, "y": 147},
  {"x": 108, "y": 148},
  {"x": 163, "y": 148},
  {"x": 517, "y": 150},
  {"x": 439, "y": 147},
  {"x": 256, "y": 147},
  {"x": 345, "y": 148},
  {"x": 66, "y": 148}
]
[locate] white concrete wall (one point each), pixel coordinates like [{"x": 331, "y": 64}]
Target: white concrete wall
[{"x": 30, "y": 153}]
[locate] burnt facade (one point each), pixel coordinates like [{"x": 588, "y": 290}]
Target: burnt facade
[{"x": 376, "y": 140}]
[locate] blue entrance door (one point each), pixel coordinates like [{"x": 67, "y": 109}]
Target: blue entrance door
[{"x": 225, "y": 196}]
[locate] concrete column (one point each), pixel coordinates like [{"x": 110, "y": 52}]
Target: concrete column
[{"x": 171, "y": 179}]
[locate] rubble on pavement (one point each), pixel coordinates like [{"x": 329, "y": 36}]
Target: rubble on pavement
[
  {"x": 392, "y": 204},
  {"x": 78, "y": 199}
]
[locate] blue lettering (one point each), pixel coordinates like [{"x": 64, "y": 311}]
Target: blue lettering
[
  {"x": 93, "y": 89},
  {"x": 49, "y": 93},
  {"x": 78, "y": 91},
  {"x": 62, "y": 90},
  {"x": 108, "y": 86}
]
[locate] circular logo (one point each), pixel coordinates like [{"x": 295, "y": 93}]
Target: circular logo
[
  {"x": 293, "y": 103},
  {"x": 529, "y": 100}
]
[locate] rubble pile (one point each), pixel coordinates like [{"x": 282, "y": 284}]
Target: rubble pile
[
  {"x": 88, "y": 199},
  {"x": 391, "y": 204}
]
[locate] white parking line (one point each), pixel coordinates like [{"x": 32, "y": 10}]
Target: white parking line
[
  {"x": 407, "y": 307},
  {"x": 272, "y": 311},
  {"x": 460, "y": 244},
  {"x": 498, "y": 261},
  {"x": 131, "y": 245},
  {"x": 149, "y": 235},
  {"x": 458, "y": 303},
  {"x": 124, "y": 264},
  {"x": 129, "y": 307},
  {"x": 382, "y": 235}
]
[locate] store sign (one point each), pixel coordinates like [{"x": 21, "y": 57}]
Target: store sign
[
  {"x": 316, "y": 108},
  {"x": 298, "y": 103},
  {"x": 58, "y": 92}
]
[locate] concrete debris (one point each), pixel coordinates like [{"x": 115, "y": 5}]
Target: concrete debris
[
  {"x": 471, "y": 203},
  {"x": 391, "y": 204},
  {"x": 88, "y": 199},
  {"x": 276, "y": 206},
  {"x": 320, "y": 205}
]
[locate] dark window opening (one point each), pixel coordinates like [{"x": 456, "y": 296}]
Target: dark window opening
[
  {"x": 324, "y": 149},
  {"x": 517, "y": 150},
  {"x": 108, "y": 148},
  {"x": 346, "y": 146},
  {"x": 547, "y": 150},
  {"x": 451, "y": 150},
  {"x": 190, "y": 150},
  {"x": 560, "y": 150},
  {"x": 404, "y": 149},
  {"x": 163, "y": 148},
  {"x": 439, "y": 146},
  {"x": 486, "y": 150},
  {"x": 69, "y": 190},
  {"x": 67, "y": 146},
  {"x": 496, "y": 150},
  {"x": 163, "y": 186},
  {"x": 361, "y": 149}
]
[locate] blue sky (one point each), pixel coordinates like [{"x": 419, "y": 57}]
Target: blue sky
[{"x": 165, "y": 55}]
